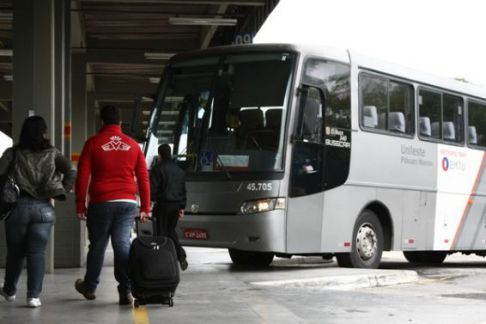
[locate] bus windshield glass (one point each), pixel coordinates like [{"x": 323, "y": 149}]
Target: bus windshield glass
[{"x": 226, "y": 113}]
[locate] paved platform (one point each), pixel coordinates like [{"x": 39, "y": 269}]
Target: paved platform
[{"x": 211, "y": 290}]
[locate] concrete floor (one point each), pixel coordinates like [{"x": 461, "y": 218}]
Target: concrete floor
[{"x": 301, "y": 290}]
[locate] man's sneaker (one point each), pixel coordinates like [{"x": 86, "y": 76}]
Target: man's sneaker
[
  {"x": 81, "y": 288},
  {"x": 9, "y": 298},
  {"x": 183, "y": 263},
  {"x": 125, "y": 297},
  {"x": 33, "y": 302}
]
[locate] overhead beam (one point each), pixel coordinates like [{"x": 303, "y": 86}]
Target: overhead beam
[
  {"x": 122, "y": 56},
  {"x": 155, "y": 45},
  {"x": 253, "y": 3},
  {"x": 113, "y": 96},
  {"x": 4, "y": 107},
  {"x": 153, "y": 12},
  {"x": 207, "y": 34},
  {"x": 118, "y": 56}
]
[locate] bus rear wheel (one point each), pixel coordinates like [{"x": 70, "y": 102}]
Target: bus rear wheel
[
  {"x": 367, "y": 245},
  {"x": 240, "y": 257},
  {"x": 425, "y": 257}
]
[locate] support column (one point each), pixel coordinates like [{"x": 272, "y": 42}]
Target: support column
[
  {"x": 92, "y": 115},
  {"x": 79, "y": 135},
  {"x": 33, "y": 72},
  {"x": 67, "y": 230}
]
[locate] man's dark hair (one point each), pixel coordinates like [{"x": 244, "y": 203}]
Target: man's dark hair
[
  {"x": 33, "y": 134},
  {"x": 110, "y": 115},
  {"x": 165, "y": 152}
]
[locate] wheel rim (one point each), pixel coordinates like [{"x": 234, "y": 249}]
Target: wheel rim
[{"x": 366, "y": 241}]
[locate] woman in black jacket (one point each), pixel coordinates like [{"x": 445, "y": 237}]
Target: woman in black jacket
[{"x": 42, "y": 174}]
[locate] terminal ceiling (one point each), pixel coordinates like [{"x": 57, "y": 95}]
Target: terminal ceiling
[{"x": 127, "y": 42}]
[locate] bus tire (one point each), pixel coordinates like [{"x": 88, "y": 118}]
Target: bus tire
[
  {"x": 425, "y": 257},
  {"x": 240, "y": 257},
  {"x": 367, "y": 245}
]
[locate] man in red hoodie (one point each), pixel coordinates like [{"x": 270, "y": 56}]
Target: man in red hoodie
[{"x": 109, "y": 163}]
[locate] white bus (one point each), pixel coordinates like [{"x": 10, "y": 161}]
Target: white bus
[{"x": 290, "y": 150}]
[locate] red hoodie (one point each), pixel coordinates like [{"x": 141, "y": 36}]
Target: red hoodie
[{"x": 112, "y": 160}]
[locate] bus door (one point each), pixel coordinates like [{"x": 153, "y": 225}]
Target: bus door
[{"x": 305, "y": 203}]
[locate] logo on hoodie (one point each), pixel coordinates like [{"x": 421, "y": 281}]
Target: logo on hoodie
[{"x": 115, "y": 144}]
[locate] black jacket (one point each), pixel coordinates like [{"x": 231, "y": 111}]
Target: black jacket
[
  {"x": 41, "y": 175},
  {"x": 167, "y": 183}
]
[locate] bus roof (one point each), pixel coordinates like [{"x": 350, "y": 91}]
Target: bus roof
[
  {"x": 356, "y": 59},
  {"x": 408, "y": 73}
]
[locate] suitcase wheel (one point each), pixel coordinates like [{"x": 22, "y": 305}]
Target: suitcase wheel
[{"x": 171, "y": 302}]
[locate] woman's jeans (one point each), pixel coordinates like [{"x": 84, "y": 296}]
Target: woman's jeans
[
  {"x": 27, "y": 231},
  {"x": 109, "y": 220}
]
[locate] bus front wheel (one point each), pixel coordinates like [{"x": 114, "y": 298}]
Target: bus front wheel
[
  {"x": 240, "y": 257},
  {"x": 367, "y": 245},
  {"x": 425, "y": 257}
]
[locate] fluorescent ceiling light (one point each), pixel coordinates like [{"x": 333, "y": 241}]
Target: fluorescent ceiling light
[
  {"x": 154, "y": 80},
  {"x": 6, "y": 16},
  {"x": 8, "y": 77},
  {"x": 167, "y": 123},
  {"x": 6, "y": 52},
  {"x": 157, "y": 56},
  {"x": 170, "y": 112},
  {"x": 147, "y": 99},
  {"x": 202, "y": 21},
  {"x": 173, "y": 99},
  {"x": 163, "y": 131}
]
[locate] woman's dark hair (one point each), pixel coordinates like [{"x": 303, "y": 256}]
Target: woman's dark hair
[{"x": 33, "y": 134}]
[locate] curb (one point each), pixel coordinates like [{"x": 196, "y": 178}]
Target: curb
[{"x": 347, "y": 282}]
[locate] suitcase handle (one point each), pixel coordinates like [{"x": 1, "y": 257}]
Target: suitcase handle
[{"x": 145, "y": 229}]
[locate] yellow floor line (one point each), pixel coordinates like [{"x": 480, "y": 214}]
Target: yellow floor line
[{"x": 140, "y": 315}]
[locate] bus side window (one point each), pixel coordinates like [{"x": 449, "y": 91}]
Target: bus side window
[
  {"x": 307, "y": 174},
  {"x": 473, "y": 136},
  {"x": 312, "y": 117},
  {"x": 374, "y": 101},
  {"x": 452, "y": 118},
  {"x": 476, "y": 124},
  {"x": 443, "y": 113},
  {"x": 430, "y": 113},
  {"x": 425, "y": 128},
  {"x": 386, "y": 104}
]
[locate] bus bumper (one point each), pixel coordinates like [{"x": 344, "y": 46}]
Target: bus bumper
[{"x": 263, "y": 232}]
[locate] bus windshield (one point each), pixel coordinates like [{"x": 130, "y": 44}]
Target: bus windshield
[{"x": 226, "y": 113}]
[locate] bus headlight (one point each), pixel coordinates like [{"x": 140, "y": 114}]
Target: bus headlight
[{"x": 262, "y": 205}]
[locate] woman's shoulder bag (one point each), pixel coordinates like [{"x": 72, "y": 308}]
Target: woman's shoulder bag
[{"x": 9, "y": 191}]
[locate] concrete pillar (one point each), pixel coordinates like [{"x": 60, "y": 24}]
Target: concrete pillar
[
  {"x": 79, "y": 135},
  {"x": 60, "y": 82},
  {"x": 67, "y": 250},
  {"x": 33, "y": 72},
  {"x": 93, "y": 116}
]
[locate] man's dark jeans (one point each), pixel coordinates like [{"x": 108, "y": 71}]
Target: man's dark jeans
[
  {"x": 109, "y": 220},
  {"x": 27, "y": 232}
]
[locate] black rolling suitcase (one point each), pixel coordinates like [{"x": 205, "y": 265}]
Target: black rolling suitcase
[{"x": 153, "y": 267}]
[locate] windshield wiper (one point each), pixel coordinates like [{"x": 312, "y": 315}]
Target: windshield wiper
[{"x": 223, "y": 167}]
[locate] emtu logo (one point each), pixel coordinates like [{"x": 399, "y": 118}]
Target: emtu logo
[{"x": 445, "y": 164}]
